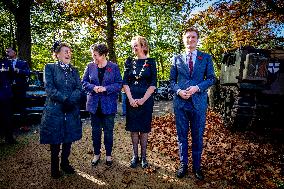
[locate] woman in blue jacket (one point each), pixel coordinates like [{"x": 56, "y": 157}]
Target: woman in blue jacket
[
  {"x": 61, "y": 123},
  {"x": 102, "y": 81}
]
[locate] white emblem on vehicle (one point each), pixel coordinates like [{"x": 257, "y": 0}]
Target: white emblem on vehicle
[{"x": 273, "y": 67}]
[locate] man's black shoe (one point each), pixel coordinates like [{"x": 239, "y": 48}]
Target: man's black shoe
[
  {"x": 109, "y": 163},
  {"x": 198, "y": 174},
  {"x": 182, "y": 171},
  {"x": 10, "y": 141}
]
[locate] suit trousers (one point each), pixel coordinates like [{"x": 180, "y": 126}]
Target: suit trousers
[
  {"x": 6, "y": 118},
  {"x": 188, "y": 117},
  {"x": 101, "y": 121}
]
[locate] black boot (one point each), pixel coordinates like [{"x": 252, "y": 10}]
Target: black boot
[
  {"x": 65, "y": 165},
  {"x": 67, "y": 168},
  {"x": 55, "y": 173}
]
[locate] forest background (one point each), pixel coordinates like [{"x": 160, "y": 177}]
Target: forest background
[{"x": 34, "y": 25}]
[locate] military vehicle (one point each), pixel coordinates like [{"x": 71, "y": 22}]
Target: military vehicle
[{"x": 251, "y": 86}]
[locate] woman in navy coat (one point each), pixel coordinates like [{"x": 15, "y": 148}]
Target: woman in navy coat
[
  {"x": 102, "y": 81},
  {"x": 61, "y": 123}
]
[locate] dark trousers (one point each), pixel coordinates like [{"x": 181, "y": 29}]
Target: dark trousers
[
  {"x": 55, "y": 149},
  {"x": 190, "y": 118},
  {"x": 19, "y": 103},
  {"x": 6, "y": 118},
  {"x": 101, "y": 121}
]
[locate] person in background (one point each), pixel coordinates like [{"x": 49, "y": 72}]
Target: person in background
[
  {"x": 61, "y": 124},
  {"x": 123, "y": 102},
  {"x": 191, "y": 74},
  {"x": 20, "y": 85},
  {"x": 6, "y": 94},
  {"x": 102, "y": 82},
  {"x": 139, "y": 83}
]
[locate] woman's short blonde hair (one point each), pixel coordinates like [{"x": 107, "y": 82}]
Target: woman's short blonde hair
[{"x": 143, "y": 42}]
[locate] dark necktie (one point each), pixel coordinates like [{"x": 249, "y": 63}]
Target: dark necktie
[{"x": 190, "y": 63}]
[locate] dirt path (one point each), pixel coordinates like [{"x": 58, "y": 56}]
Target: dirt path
[
  {"x": 231, "y": 160},
  {"x": 26, "y": 165}
]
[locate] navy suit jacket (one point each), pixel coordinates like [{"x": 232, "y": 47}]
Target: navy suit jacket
[
  {"x": 23, "y": 74},
  {"x": 6, "y": 79},
  {"x": 203, "y": 76},
  {"x": 112, "y": 81}
]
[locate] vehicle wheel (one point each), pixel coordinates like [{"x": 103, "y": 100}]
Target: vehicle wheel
[
  {"x": 170, "y": 96},
  {"x": 156, "y": 98}
]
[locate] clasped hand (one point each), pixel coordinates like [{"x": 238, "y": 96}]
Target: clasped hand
[
  {"x": 187, "y": 93},
  {"x": 16, "y": 70},
  {"x": 136, "y": 102},
  {"x": 99, "y": 89}
]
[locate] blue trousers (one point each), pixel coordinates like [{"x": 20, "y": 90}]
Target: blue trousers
[
  {"x": 187, "y": 118},
  {"x": 103, "y": 122},
  {"x": 123, "y": 100}
]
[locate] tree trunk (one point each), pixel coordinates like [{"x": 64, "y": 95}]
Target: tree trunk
[
  {"x": 23, "y": 30},
  {"x": 110, "y": 32},
  {"x": 22, "y": 14}
]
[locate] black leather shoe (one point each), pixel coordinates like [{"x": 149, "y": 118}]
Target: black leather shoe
[
  {"x": 134, "y": 162},
  {"x": 144, "y": 163},
  {"x": 198, "y": 174},
  {"x": 10, "y": 140},
  {"x": 67, "y": 168},
  {"x": 109, "y": 163},
  {"x": 96, "y": 162},
  {"x": 182, "y": 171}
]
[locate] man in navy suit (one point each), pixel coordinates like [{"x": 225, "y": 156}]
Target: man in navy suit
[
  {"x": 20, "y": 84},
  {"x": 191, "y": 74},
  {"x": 6, "y": 78}
]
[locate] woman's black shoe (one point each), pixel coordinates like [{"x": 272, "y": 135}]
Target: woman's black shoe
[
  {"x": 144, "y": 163},
  {"x": 109, "y": 163},
  {"x": 134, "y": 162},
  {"x": 56, "y": 174},
  {"x": 96, "y": 162}
]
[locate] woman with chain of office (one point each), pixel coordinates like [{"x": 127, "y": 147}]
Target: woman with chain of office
[{"x": 139, "y": 83}]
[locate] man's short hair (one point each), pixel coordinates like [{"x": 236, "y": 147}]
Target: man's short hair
[
  {"x": 191, "y": 29},
  {"x": 13, "y": 48}
]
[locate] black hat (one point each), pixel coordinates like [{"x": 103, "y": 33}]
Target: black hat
[{"x": 55, "y": 46}]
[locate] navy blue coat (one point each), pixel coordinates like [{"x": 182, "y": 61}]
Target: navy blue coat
[
  {"x": 56, "y": 125},
  {"x": 112, "y": 81}
]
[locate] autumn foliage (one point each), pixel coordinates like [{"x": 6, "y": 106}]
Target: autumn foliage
[{"x": 231, "y": 158}]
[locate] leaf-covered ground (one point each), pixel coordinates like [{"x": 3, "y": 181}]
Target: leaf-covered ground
[{"x": 230, "y": 159}]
